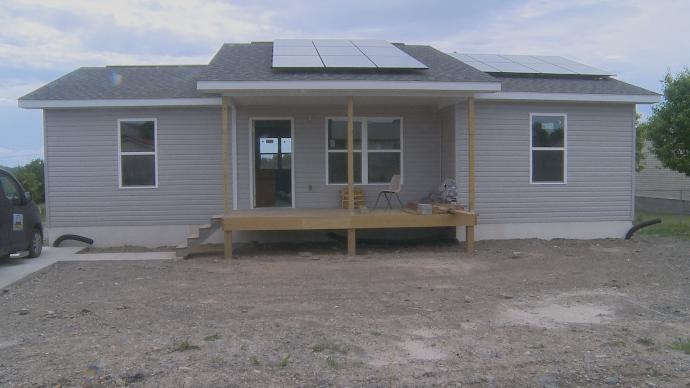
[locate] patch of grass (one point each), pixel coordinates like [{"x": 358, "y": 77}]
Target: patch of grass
[
  {"x": 329, "y": 346},
  {"x": 617, "y": 343},
  {"x": 332, "y": 363},
  {"x": 672, "y": 225},
  {"x": 682, "y": 346},
  {"x": 184, "y": 346},
  {"x": 212, "y": 337},
  {"x": 284, "y": 362},
  {"x": 646, "y": 341},
  {"x": 254, "y": 360},
  {"x": 376, "y": 333}
]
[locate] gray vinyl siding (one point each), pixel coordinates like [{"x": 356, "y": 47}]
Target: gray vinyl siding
[
  {"x": 82, "y": 168},
  {"x": 599, "y": 163},
  {"x": 421, "y": 157},
  {"x": 447, "y": 143},
  {"x": 656, "y": 181}
]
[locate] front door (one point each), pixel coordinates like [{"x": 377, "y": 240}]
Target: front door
[{"x": 272, "y": 163}]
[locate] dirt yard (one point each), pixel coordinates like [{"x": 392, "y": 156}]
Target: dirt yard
[{"x": 518, "y": 313}]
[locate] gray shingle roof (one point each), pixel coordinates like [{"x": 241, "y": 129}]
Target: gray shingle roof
[
  {"x": 123, "y": 82},
  {"x": 580, "y": 85},
  {"x": 253, "y": 62}
]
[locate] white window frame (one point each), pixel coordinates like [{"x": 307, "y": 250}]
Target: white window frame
[
  {"x": 120, "y": 154},
  {"x": 564, "y": 149},
  {"x": 365, "y": 148}
]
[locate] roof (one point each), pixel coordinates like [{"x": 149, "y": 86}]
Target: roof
[
  {"x": 123, "y": 82},
  {"x": 236, "y": 63},
  {"x": 253, "y": 62},
  {"x": 572, "y": 84}
]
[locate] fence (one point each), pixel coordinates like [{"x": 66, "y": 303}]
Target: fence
[{"x": 671, "y": 206}]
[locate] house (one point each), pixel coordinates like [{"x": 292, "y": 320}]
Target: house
[
  {"x": 659, "y": 189},
  {"x": 540, "y": 147}
]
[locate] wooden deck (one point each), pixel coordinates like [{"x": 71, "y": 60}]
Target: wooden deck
[{"x": 331, "y": 219}]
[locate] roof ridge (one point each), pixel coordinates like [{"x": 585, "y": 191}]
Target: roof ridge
[{"x": 178, "y": 65}]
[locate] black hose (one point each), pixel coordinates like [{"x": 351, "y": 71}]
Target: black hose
[
  {"x": 75, "y": 237},
  {"x": 641, "y": 225}
]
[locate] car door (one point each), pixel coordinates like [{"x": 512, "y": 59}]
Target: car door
[
  {"x": 17, "y": 212},
  {"x": 5, "y": 224}
]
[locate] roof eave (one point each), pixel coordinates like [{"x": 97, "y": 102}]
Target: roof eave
[
  {"x": 572, "y": 97},
  {"x": 341, "y": 87},
  {"x": 112, "y": 103}
]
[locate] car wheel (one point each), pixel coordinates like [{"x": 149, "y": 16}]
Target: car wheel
[{"x": 36, "y": 244}]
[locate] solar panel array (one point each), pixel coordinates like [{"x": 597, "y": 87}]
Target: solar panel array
[
  {"x": 341, "y": 54},
  {"x": 528, "y": 64}
]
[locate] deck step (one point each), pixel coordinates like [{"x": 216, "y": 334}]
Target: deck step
[{"x": 195, "y": 242}]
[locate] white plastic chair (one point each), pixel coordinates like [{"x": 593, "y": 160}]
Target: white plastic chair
[{"x": 393, "y": 190}]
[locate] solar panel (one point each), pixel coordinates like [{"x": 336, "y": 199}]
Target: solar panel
[
  {"x": 339, "y": 50},
  {"x": 528, "y": 64},
  {"x": 397, "y": 62},
  {"x": 341, "y": 53},
  {"x": 297, "y": 61},
  {"x": 295, "y": 50},
  {"x": 347, "y": 61}
]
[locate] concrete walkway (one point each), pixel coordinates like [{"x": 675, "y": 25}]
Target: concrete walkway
[{"x": 14, "y": 269}]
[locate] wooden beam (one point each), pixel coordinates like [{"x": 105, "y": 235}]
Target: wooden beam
[
  {"x": 471, "y": 181},
  {"x": 350, "y": 154},
  {"x": 227, "y": 242},
  {"x": 351, "y": 242},
  {"x": 226, "y": 155}
]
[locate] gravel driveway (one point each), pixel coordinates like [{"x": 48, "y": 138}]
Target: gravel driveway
[{"x": 518, "y": 313}]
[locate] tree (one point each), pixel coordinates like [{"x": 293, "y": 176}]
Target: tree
[
  {"x": 669, "y": 126},
  {"x": 640, "y": 137},
  {"x": 31, "y": 177}
]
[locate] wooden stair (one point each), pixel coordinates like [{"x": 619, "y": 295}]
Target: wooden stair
[{"x": 196, "y": 240}]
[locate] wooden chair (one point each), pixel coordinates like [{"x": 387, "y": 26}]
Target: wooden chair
[{"x": 392, "y": 191}]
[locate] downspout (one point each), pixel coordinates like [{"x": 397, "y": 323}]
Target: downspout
[{"x": 233, "y": 137}]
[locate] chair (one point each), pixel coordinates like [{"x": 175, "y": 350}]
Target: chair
[{"x": 392, "y": 191}]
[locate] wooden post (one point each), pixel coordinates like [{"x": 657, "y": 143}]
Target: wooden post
[
  {"x": 228, "y": 244},
  {"x": 471, "y": 190},
  {"x": 351, "y": 239},
  {"x": 226, "y": 156}
]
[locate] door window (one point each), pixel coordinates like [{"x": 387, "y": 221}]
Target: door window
[{"x": 11, "y": 189}]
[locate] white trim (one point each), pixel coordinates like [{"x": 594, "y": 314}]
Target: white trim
[
  {"x": 348, "y": 85},
  {"x": 42, "y": 104},
  {"x": 564, "y": 148},
  {"x": 549, "y": 230},
  {"x": 120, "y": 154},
  {"x": 537, "y": 96},
  {"x": 233, "y": 139},
  {"x": 252, "y": 183},
  {"x": 46, "y": 183},
  {"x": 364, "y": 148}
]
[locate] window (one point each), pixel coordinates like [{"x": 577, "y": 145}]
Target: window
[
  {"x": 548, "y": 148},
  {"x": 377, "y": 150},
  {"x": 11, "y": 189},
  {"x": 138, "y": 159}
]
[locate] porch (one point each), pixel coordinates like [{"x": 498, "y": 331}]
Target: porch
[
  {"x": 336, "y": 219},
  {"x": 431, "y": 139}
]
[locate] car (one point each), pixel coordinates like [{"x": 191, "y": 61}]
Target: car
[{"x": 20, "y": 219}]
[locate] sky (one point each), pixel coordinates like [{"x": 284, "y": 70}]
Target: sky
[{"x": 42, "y": 40}]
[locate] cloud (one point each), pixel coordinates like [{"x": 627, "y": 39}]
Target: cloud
[
  {"x": 12, "y": 157},
  {"x": 11, "y": 89}
]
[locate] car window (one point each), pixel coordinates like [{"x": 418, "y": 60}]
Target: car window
[{"x": 11, "y": 189}]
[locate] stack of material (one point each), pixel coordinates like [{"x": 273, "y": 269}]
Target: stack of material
[
  {"x": 345, "y": 197},
  {"x": 436, "y": 208}
]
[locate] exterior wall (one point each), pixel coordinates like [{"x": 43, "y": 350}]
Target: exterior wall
[
  {"x": 82, "y": 169},
  {"x": 447, "y": 116},
  {"x": 599, "y": 165},
  {"x": 656, "y": 181},
  {"x": 421, "y": 158}
]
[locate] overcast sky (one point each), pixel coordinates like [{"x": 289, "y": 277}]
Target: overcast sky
[{"x": 40, "y": 40}]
